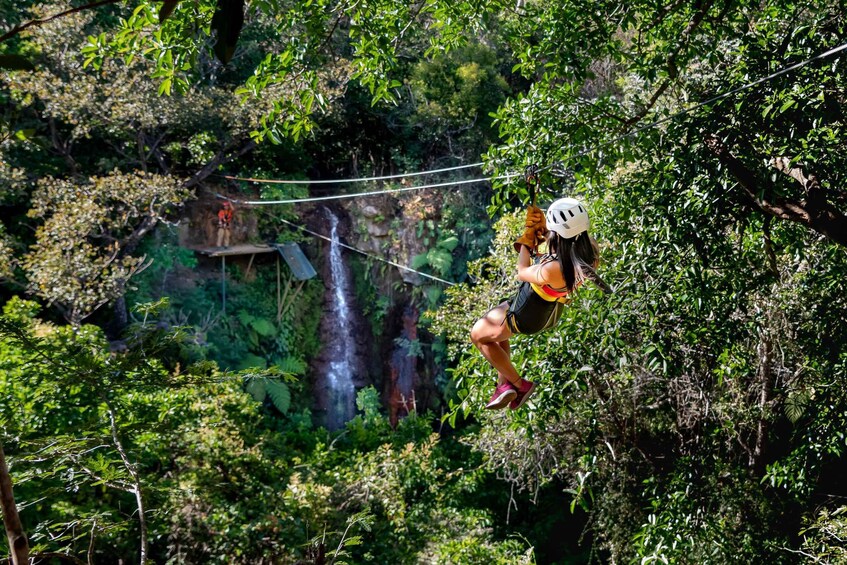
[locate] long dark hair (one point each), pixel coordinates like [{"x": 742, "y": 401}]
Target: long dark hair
[{"x": 578, "y": 258}]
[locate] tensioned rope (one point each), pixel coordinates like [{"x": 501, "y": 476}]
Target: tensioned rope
[
  {"x": 369, "y": 193},
  {"x": 358, "y": 179},
  {"x": 639, "y": 129},
  {"x": 655, "y": 123},
  {"x": 709, "y": 101},
  {"x": 366, "y": 254}
]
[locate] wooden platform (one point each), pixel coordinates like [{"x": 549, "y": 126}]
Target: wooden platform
[
  {"x": 240, "y": 249},
  {"x": 301, "y": 269}
]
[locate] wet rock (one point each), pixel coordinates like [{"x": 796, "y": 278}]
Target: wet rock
[{"x": 377, "y": 230}]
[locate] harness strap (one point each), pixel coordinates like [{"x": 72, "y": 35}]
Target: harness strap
[{"x": 548, "y": 293}]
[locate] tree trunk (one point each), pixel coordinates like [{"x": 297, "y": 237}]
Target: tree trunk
[
  {"x": 18, "y": 544},
  {"x": 120, "y": 319},
  {"x": 765, "y": 352}
]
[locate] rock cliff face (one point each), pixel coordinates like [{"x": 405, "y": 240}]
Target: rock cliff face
[
  {"x": 384, "y": 227},
  {"x": 199, "y": 230},
  {"x": 394, "y": 358}
]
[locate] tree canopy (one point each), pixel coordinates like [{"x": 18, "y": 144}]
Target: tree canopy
[{"x": 695, "y": 415}]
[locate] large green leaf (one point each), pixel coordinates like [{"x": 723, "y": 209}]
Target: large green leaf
[
  {"x": 245, "y": 317},
  {"x": 795, "y": 405},
  {"x": 440, "y": 260},
  {"x": 263, "y": 327},
  {"x": 256, "y": 388},
  {"x": 419, "y": 261},
  {"x": 279, "y": 393},
  {"x": 227, "y": 22},
  {"x": 449, "y": 243},
  {"x": 292, "y": 365}
]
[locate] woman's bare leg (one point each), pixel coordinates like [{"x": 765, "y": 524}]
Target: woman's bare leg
[
  {"x": 490, "y": 335},
  {"x": 504, "y": 345}
]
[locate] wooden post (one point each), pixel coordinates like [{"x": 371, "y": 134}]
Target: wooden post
[
  {"x": 249, "y": 264},
  {"x": 223, "y": 283},
  {"x": 290, "y": 303},
  {"x": 278, "y": 301},
  {"x": 18, "y": 544},
  {"x": 281, "y": 306}
]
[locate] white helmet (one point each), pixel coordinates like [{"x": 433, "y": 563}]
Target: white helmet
[{"x": 567, "y": 217}]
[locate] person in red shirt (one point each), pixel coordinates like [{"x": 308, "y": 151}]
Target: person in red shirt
[{"x": 225, "y": 215}]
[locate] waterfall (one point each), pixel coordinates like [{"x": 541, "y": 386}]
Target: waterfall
[{"x": 340, "y": 344}]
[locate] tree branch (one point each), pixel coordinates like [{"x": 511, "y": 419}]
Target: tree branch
[
  {"x": 769, "y": 252},
  {"x": 815, "y": 212},
  {"x": 133, "y": 473},
  {"x": 224, "y": 156},
  {"x": 62, "y": 147},
  {"x": 765, "y": 351},
  {"x": 18, "y": 544},
  {"x": 631, "y": 121},
  {"x": 37, "y": 22},
  {"x": 783, "y": 165},
  {"x": 673, "y": 72}
]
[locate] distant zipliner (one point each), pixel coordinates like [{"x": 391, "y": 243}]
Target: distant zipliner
[
  {"x": 571, "y": 258},
  {"x": 225, "y": 216}
]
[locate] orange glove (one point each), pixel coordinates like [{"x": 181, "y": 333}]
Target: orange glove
[{"x": 534, "y": 231}]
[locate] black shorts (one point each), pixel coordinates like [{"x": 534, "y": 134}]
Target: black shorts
[{"x": 529, "y": 313}]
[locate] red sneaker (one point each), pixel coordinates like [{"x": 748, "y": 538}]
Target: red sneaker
[
  {"x": 524, "y": 391},
  {"x": 503, "y": 395}
]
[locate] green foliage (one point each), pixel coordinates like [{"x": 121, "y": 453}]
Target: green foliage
[
  {"x": 823, "y": 537},
  {"x": 78, "y": 418},
  {"x": 68, "y": 265},
  {"x": 279, "y": 394},
  {"x": 7, "y": 256},
  {"x": 698, "y": 413},
  {"x": 455, "y": 95},
  {"x": 439, "y": 258},
  {"x": 263, "y": 387}
]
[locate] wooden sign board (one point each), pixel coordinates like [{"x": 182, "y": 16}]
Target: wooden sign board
[{"x": 297, "y": 262}]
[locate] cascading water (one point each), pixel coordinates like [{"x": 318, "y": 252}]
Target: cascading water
[{"x": 340, "y": 344}]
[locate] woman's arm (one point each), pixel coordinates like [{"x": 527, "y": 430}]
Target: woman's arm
[
  {"x": 543, "y": 273},
  {"x": 526, "y": 270}
]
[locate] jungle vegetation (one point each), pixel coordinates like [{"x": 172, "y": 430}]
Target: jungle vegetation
[{"x": 696, "y": 415}]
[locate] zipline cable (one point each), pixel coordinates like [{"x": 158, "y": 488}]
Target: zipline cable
[
  {"x": 366, "y": 254},
  {"x": 707, "y": 102},
  {"x": 359, "y": 179},
  {"x": 369, "y": 193},
  {"x": 635, "y": 131}
]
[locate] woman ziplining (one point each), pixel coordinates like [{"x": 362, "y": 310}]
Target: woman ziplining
[{"x": 571, "y": 258}]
